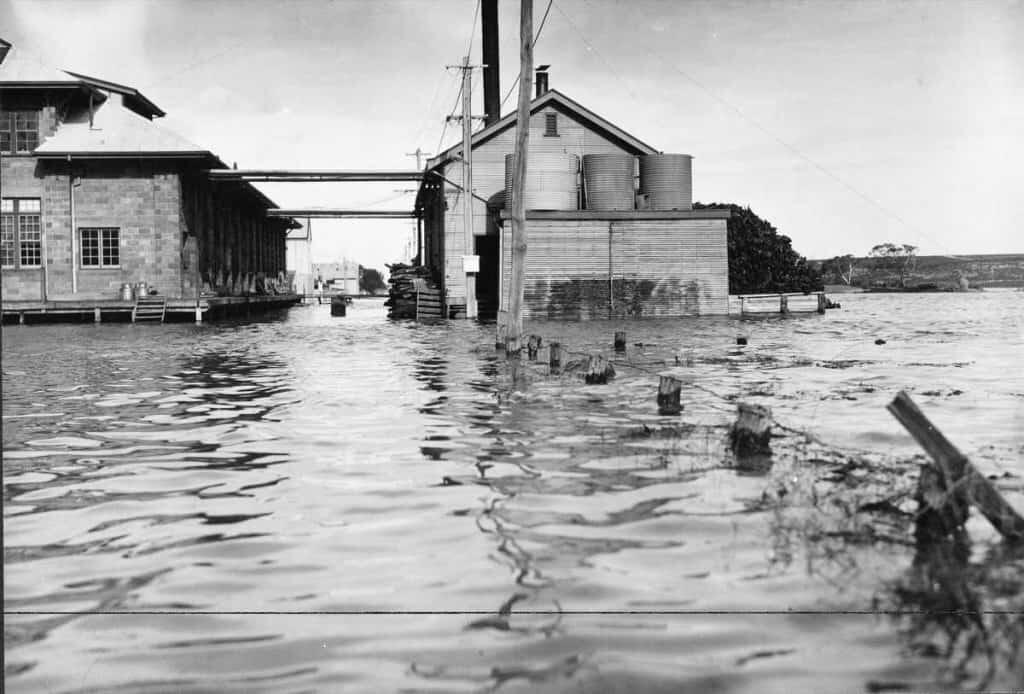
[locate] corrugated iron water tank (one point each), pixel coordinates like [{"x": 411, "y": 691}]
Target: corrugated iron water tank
[
  {"x": 552, "y": 181},
  {"x": 667, "y": 181},
  {"x": 608, "y": 181}
]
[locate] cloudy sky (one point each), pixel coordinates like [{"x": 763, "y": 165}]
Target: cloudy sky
[{"x": 846, "y": 124}]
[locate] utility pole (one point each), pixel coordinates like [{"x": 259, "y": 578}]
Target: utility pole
[
  {"x": 419, "y": 153},
  {"x": 514, "y": 327},
  {"x": 469, "y": 258}
]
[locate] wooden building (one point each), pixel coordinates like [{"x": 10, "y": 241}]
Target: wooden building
[
  {"x": 581, "y": 263},
  {"x": 96, "y": 196}
]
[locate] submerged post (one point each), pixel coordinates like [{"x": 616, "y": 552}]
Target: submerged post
[
  {"x": 668, "y": 395},
  {"x": 96, "y": 315},
  {"x": 620, "y": 341},
  {"x": 751, "y": 433},
  {"x": 532, "y": 347},
  {"x": 783, "y": 304},
  {"x": 822, "y": 302},
  {"x": 555, "y": 355},
  {"x": 599, "y": 370}
]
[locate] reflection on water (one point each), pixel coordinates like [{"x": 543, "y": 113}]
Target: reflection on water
[{"x": 315, "y": 503}]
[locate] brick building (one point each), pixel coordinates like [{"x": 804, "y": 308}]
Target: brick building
[{"x": 95, "y": 195}]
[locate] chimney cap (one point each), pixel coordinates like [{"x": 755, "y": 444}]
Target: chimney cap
[{"x": 542, "y": 68}]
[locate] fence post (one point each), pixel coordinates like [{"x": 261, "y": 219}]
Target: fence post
[
  {"x": 599, "y": 370},
  {"x": 532, "y": 347},
  {"x": 668, "y": 395},
  {"x": 752, "y": 432},
  {"x": 620, "y": 341},
  {"x": 555, "y": 355}
]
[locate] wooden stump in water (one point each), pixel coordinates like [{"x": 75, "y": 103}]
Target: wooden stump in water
[
  {"x": 752, "y": 432},
  {"x": 337, "y": 306},
  {"x": 668, "y": 395},
  {"x": 620, "y": 341},
  {"x": 599, "y": 370},
  {"x": 532, "y": 347},
  {"x": 555, "y": 355}
]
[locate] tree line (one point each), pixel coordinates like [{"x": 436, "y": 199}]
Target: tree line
[{"x": 762, "y": 261}]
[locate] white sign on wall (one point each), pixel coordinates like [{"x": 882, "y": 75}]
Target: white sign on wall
[{"x": 471, "y": 263}]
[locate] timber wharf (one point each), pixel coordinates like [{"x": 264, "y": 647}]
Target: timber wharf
[{"x": 170, "y": 309}]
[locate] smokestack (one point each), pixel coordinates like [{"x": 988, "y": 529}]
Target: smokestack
[
  {"x": 492, "y": 88},
  {"x": 542, "y": 79}
]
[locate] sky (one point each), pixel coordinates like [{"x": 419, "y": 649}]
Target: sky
[{"x": 845, "y": 124}]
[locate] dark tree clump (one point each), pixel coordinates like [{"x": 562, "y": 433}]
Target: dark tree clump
[
  {"x": 762, "y": 261},
  {"x": 370, "y": 280}
]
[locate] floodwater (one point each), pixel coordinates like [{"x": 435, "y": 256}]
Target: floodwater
[{"x": 305, "y": 503}]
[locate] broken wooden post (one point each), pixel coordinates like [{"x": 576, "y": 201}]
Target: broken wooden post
[
  {"x": 555, "y": 355},
  {"x": 599, "y": 370},
  {"x": 532, "y": 347},
  {"x": 668, "y": 395},
  {"x": 822, "y": 302},
  {"x": 620, "y": 341},
  {"x": 783, "y": 304},
  {"x": 97, "y": 315},
  {"x": 959, "y": 476},
  {"x": 751, "y": 433}
]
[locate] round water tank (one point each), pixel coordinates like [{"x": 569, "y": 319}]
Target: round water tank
[
  {"x": 667, "y": 181},
  {"x": 608, "y": 181},
  {"x": 551, "y": 181}
]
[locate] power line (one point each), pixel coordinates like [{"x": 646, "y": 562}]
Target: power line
[
  {"x": 536, "y": 37},
  {"x": 458, "y": 97},
  {"x": 792, "y": 148}
]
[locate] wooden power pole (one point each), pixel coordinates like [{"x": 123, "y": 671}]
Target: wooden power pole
[
  {"x": 514, "y": 328},
  {"x": 467, "y": 184}
]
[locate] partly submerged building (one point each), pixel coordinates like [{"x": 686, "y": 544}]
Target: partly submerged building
[
  {"x": 96, "y": 196},
  {"x": 612, "y": 232}
]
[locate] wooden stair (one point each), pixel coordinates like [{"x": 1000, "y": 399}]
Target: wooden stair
[{"x": 149, "y": 309}]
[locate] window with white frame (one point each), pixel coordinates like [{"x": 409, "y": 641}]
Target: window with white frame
[
  {"x": 21, "y": 233},
  {"x": 101, "y": 246},
  {"x": 19, "y": 131}
]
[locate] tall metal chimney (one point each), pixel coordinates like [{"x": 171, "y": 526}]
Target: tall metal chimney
[
  {"x": 542, "y": 79},
  {"x": 492, "y": 88}
]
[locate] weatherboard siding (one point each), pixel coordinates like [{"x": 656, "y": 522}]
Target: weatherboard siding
[
  {"x": 489, "y": 183},
  {"x": 600, "y": 268}
]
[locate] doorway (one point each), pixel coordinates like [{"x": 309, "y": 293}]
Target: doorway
[{"x": 487, "y": 279}]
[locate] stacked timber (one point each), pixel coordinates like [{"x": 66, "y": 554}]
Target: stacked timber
[{"x": 410, "y": 294}]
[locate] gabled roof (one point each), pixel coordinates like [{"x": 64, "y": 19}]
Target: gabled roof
[
  {"x": 116, "y": 132},
  {"x": 563, "y": 103},
  {"x": 24, "y": 70},
  {"x": 132, "y": 98}
]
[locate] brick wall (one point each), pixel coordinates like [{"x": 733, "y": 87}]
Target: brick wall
[{"x": 18, "y": 180}]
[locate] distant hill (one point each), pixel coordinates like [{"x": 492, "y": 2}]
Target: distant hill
[{"x": 944, "y": 271}]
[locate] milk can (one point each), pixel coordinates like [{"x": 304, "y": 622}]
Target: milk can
[
  {"x": 126, "y": 292},
  {"x": 141, "y": 290}
]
